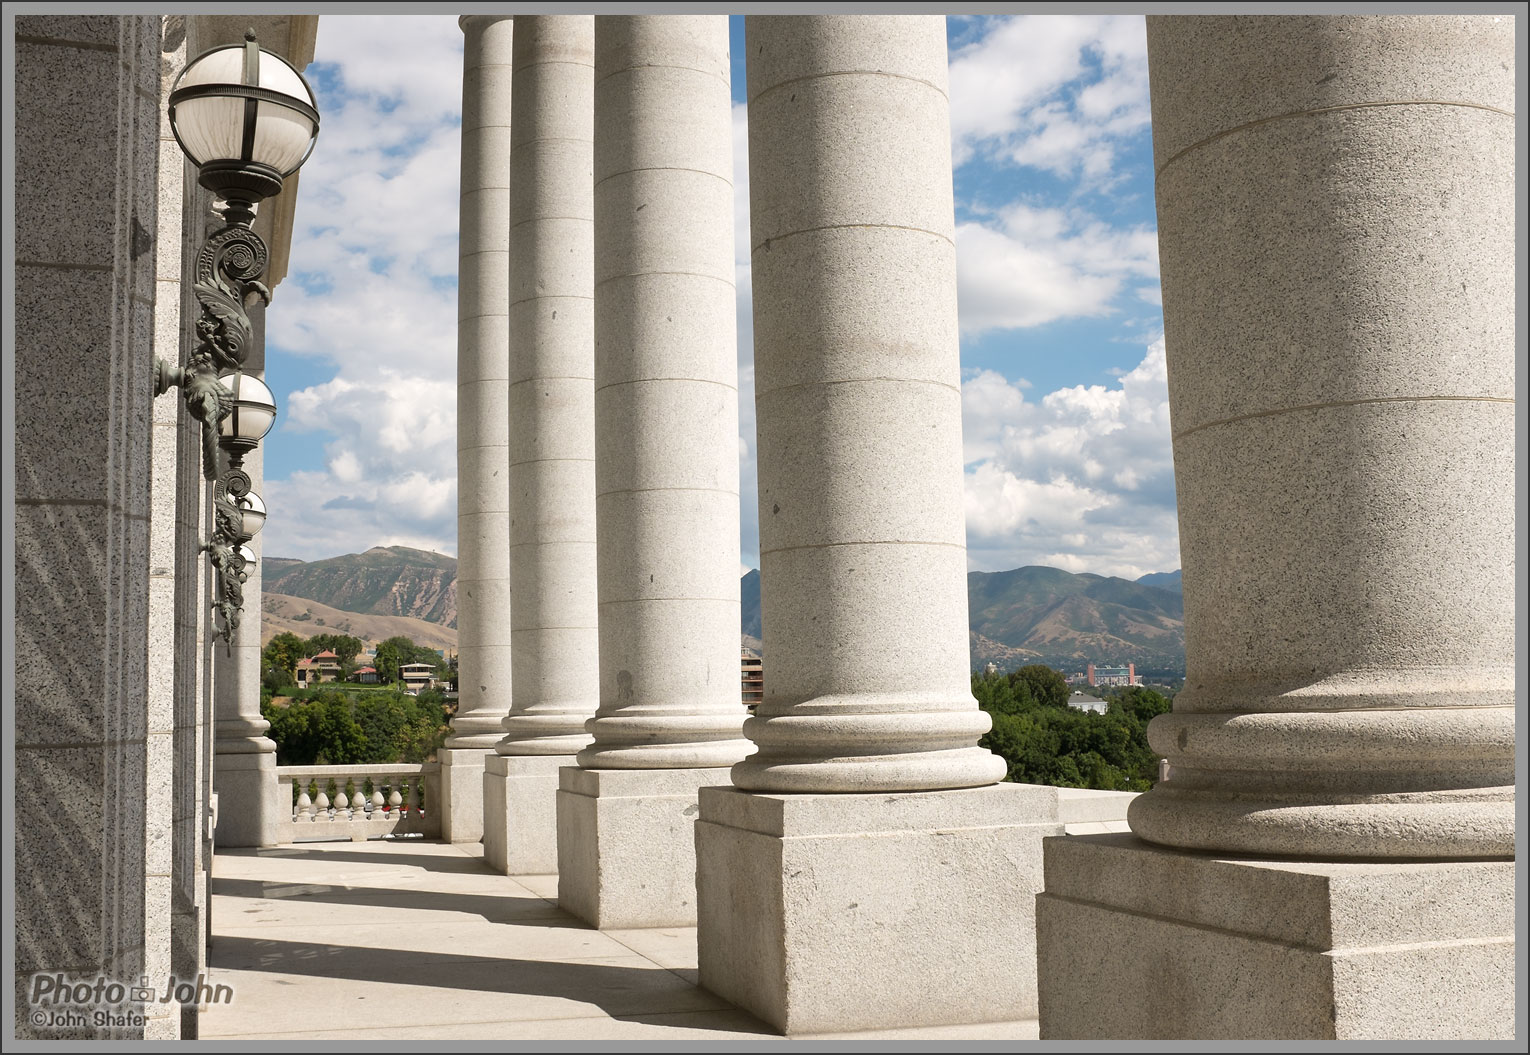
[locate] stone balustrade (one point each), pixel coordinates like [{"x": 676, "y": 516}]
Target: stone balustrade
[{"x": 359, "y": 802}]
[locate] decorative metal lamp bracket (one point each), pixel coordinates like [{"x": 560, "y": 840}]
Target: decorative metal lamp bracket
[{"x": 227, "y": 273}]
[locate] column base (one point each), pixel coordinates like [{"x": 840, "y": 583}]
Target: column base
[
  {"x": 1246, "y": 948},
  {"x": 250, "y": 810},
  {"x": 831, "y": 913},
  {"x": 462, "y": 793},
  {"x": 626, "y": 844},
  {"x": 520, "y": 813}
]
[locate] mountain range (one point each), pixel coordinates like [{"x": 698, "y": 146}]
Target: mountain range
[{"x": 1026, "y": 615}]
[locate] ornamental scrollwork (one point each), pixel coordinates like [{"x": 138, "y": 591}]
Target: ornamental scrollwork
[{"x": 224, "y": 553}]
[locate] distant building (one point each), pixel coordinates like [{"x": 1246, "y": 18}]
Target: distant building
[
  {"x": 1126, "y": 675},
  {"x": 752, "y": 674},
  {"x": 366, "y": 676},
  {"x": 416, "y": 676},
  {"x": 1081, "y": 702},
  {"x": 323, "y": 667}
]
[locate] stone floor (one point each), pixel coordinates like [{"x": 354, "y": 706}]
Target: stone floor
[{"x": 408, "y": 939}]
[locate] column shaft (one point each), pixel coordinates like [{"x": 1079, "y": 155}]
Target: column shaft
[
  {"x": 666, "y": 397},
  {"x": 1336, "y": 223},
  {"x": 555, "y": 637},
  {"x": 244, "y": 767},
  {"x": 858, "y": 404},
  {"x": 483, "y": 471},
  {"x": 483, "y": 370}
]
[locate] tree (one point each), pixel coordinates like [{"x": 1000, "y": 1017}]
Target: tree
[
  {"x": 344, "y": 646},
  {"x": 1044, "y": 741},
  {"x": 391, "y": 654},
  {"x": 1047, "y": 687},
  {"x": 283, "y": 652}
]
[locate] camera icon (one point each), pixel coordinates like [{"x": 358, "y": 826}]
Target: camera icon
[{"x": 141, "y": 994}]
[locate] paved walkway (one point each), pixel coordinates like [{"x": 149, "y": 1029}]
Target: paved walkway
[{"x": 407, "y": 939}]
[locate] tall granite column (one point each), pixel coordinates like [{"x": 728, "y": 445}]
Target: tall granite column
[
  {"x": 666, "y": 431},
  {"x": 244, "y": 757},
  {"x": 483, "y": 472},
  {"x": 554, "y": 631},
  {"x": 1336, "y": 230},
  {"x": 86, "y": 94},
  {"x": 865, "y": 872}
]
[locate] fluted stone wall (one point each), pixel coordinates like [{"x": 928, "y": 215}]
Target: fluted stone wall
[{"x": 86, "y": 94}]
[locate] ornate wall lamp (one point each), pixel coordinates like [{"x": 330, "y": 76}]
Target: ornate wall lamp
[{"x": 247, "y": 120}]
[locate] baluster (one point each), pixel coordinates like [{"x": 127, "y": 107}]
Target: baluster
[
  {"x": 342, "y": 805},
  {"x": 304, "y": 812},
  {"x": 414, "y": 798},
  {"x": 321, "y": 804},
  {"x": 394, "y": 798},
  {"x": 378, "y": 813}
]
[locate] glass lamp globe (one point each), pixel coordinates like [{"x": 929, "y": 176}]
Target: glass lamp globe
[
  {"x": 253, "y": 509},
  {"x": 254, "y": 411},
  {"x": 245, "y": 117}
]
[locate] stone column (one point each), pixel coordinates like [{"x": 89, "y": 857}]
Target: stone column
[
  {"x": 77, "y": 557},
  {"x": 244, "y": 757},
  {"x": 554, "y": 632},
  {"x": 1336, "y": 230},
  {"x": 666, "y": 430},
  {"x": 483, "y": 472},
  {"x": 866, "y": 872}
]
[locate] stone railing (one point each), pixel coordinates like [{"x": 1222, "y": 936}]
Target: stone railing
[
  {"x": 359, "y": 802},
  {"x": 1085, "y": 811}
]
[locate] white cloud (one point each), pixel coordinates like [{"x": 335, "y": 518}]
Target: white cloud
[
  {"x": 1036, "y": 265},
  {"x": 372, "y": 294},
  {"x": 1055, "y": 92},
  {"x": 1082, "y": 480}
]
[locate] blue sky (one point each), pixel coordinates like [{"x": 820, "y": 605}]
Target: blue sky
[{"x": 1064, "y": 398}]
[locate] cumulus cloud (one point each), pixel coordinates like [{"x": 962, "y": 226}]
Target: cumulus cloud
[
  {"x": 1031, "y": 266},
  {"x": 1082, "y": 479},
  {"x": 372, "y": 295},
  {"x": 1055, "y": 92}
]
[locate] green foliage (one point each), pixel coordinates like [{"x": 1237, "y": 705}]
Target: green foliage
[
  {"x": 1048, "y": 687},
  {"x": 396, "y": 651},
  {"x": 282, "y": 652},
  {"x": 342, "y": 645},
  {"x": 1044, "y": 741},
  {"x": 334, "y": 726}
]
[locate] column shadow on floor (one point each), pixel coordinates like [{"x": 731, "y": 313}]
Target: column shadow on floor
[
  {"x": 402, "y": 858},
  {"x": 634, "y": 994},
  {"x": 528, "y": 910}
]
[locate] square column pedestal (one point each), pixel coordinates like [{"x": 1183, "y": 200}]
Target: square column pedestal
[
  {"x": 251, "y": 810},
  {"x": 462, "y": 794},
  {"x": 520, "y": 813},
  {"x": 1144, "y": 942},
  {"x": 626, "y": 848},
  {"x": 831, "y": 913}
]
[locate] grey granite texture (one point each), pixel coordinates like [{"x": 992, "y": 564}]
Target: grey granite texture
[
  {"x": 1244, "y": 948},
  {"x": 1336, "y": 227},
  {"x": 666, "y": 400},
  {"x": 1219, "y": 73},
  {"x": 554, "y": 626},
  {"x": 856, "y": 385},
  {"x": 520, "y": 812},
  {"x": 833, "y": 913},
  {"x": 483, "y": 495},
  {"x": 626, "y": 844},
  {"x": 84, "y": 328}
]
